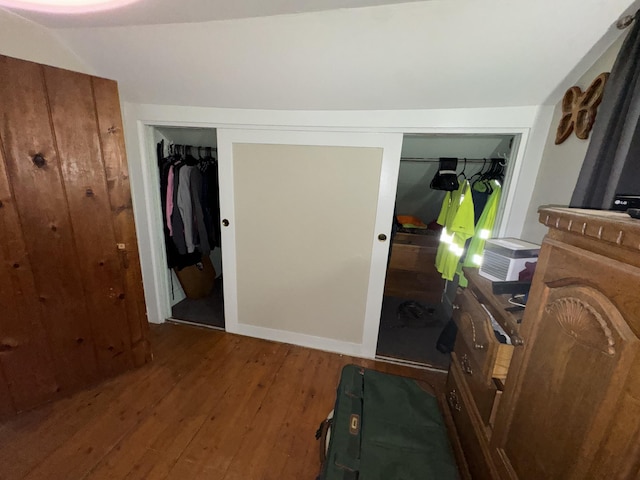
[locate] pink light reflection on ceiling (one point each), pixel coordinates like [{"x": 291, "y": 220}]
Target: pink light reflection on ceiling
[{"x": 65, "y": 6}]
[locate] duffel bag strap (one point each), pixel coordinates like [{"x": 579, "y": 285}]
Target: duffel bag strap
[{"x": 324, "y": 435}]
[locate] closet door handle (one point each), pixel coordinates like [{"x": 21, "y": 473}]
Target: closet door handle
[{"x": 225, "y": 223}]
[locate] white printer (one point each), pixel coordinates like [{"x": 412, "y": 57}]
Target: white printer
[{"x": 505, "y": 258}]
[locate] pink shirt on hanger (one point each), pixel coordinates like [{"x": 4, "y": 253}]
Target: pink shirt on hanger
[{"x": 169, "y": 207}]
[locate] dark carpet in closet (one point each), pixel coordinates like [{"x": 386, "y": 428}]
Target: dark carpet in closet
[
  {"x": 409, "y": 330},
  {"x": 207, "y": 311}
]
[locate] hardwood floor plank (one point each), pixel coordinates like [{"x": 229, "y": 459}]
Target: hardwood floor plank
[
  {"x": 50, "y": 415},
  {"x": 300, "y": 422},
  {"x": 172, "y": 451},
  {"x": 210, "y": 406},
  {"x": 179, "y": 416},
  {"x": 91, "y": 443},
  {"x": 217, "y": 442},
  {"x": 303, "y": 457},
  {"x": 58, "y": 422},
  {"x": 261, "y": 444}
]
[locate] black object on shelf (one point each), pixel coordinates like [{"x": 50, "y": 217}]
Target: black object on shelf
[
  {"x": 510, "y": 287},
  {"x": 634, "y": 212}
]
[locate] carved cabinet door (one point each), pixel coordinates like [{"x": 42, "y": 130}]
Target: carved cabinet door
[{"x": 560, "y": 406}]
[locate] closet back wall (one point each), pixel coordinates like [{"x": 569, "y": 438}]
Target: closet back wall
[{"x": 419, "y": 164}]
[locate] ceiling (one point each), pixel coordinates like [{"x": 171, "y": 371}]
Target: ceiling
[
  {"x": 437, "y": 54},
  {"x": 159, "y": 12}
]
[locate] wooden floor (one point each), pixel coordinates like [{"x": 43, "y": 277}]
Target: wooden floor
[{"x": 211, "y": 405}]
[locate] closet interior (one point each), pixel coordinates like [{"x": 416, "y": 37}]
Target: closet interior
[
  {"x": 434, "y": 171},
  {"x": 189, "y": 193}
]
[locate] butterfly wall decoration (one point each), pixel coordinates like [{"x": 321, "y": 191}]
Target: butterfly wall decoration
[{"x": 579, "y": 109}]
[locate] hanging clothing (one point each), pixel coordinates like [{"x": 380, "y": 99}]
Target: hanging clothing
[
  {"x": 190, "y": 205},
  {"x": 185, "y": 207},
  {"x": 483, "y": 231},
  {"x": 457, "y": 218},
  {"x": 211, "y": 200},
  {"x": 177, "y": 235},
  {"x": 201, "y": 237},
  {"x": 169, "y": 200},
  {"x": 173, "y": 257},
  {"x": 480, "y": 200}
]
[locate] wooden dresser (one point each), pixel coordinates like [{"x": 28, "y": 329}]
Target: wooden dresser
[
  {"x": 479, "y": 367},
  {"x": 570, "y": 408}
]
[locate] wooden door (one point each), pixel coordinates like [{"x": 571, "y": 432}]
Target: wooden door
[
  {"x": 557, "y": 418},
  {"x": 71, "y": 300}
]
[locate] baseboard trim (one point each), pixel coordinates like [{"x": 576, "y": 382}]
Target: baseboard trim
[
  {"x": 303, "y": 340},
  {"x": 194, "y": 324}
]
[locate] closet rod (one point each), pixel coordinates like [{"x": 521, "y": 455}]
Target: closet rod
[
  {"x": 178, "y": 145},
  {"x": 437, "y": 160}
]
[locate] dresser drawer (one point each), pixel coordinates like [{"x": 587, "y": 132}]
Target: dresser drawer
[
  {"x": 476, "y": 344},
  {"x": 469, "y": 427},
  {"x": 483, "y": 393}
]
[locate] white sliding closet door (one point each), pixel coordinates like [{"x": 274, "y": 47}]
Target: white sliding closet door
[{"x": 303, "y": 262}]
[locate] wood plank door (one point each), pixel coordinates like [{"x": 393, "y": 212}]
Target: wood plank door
[
  {"x": 71, "y": 300},
  {"x": 308, "y": 218}
]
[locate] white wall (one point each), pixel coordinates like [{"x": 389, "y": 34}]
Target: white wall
[
  {"x": 561, "y": 164},
  {"x": 419, "y": 55},
  {"x": 23, "y": 39}
]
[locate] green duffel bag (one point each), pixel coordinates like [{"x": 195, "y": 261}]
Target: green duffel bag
[{"x": 384, "y": 427}]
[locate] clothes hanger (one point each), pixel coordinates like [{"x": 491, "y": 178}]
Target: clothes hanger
[
  {"x": 464, "y": 168},
  {"x": 179, "y": 153},
  {"x": 478, "y": 174},
  {"x": 483, "y": 184},
  {"x": 174, "y": 153},
  {"x": 188, "y": 158},
  {"x": 480, "y": 184},
  {"x": 494, "y": 174},
  {"x": 498, "y": 173}
]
